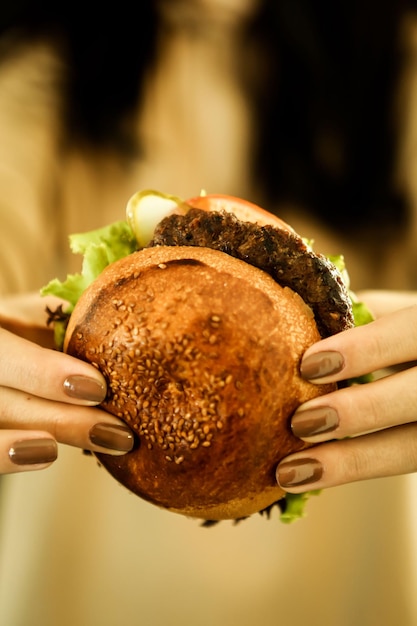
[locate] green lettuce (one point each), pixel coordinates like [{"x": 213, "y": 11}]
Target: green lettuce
[
  {"x": 361, "y": 313},
  {"x": 99, "y": 248},
  {"x": 295, "y": 504}
]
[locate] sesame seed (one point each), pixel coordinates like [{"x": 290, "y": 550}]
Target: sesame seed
[{"x": 150, "y": 384}]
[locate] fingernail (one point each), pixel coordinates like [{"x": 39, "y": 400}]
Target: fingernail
[
  {"x": 112, "y": 436},
  {"x": 321, "y": 364},
  {"x": 33, "y": 451},
  {"x": 84, "y": 388},
  {"x": 298, "y": 473},
  {"x": 311, "y": 422}
]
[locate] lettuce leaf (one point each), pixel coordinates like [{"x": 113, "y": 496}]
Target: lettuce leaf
[
  {"x": 295, "y": 504},
  {"x": 99, "y": 248}
]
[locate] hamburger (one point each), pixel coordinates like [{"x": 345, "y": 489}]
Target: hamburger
[{"x": 198, "y": 313}]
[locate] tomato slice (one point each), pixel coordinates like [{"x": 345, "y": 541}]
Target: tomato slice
[
  {"x": 243, "y": 209},
  {"x": 147, "y": 208}
]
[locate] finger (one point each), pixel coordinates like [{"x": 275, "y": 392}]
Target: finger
[
  {"x": 29, "y": 309},
  {"x": 386, "y": 453},
  {"x": 48, "y": 373},
  {"x": 84, "y": 427},
  {"x": 26, "y": 315},
  {"x": 355, "y": 410},
  {"x": 387, "y": 341},
  {"x": 26, "y": 451},
  {"x": 383, "y": 302}
]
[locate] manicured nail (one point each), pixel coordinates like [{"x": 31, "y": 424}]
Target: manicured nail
[
  {"x": 112, "y": 436},
  {"x": 321, "y": 364},
  {"x": 33, "y": 451},
  {"x": 311, "y": 422},
  {"x": 84, "y": 388},
  {"x": 298, "y": 473}
]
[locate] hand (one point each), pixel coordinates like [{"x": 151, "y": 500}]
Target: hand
[
  {"x": 48, "y": 397},
  {"x": 363, "y": 431}
]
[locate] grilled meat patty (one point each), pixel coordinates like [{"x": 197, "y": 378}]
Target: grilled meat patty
[{"x": 280, "y": 253}]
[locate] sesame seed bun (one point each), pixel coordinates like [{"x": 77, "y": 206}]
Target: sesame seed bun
[{"x": 201, "y": 354}]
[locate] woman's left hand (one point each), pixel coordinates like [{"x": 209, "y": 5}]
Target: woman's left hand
[{"x": 362, "y": 431}]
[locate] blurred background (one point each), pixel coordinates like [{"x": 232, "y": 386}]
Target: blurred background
[{"x": 305, "y": 107}]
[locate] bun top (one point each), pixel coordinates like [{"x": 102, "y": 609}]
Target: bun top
[{"x": 201, "y": 354}]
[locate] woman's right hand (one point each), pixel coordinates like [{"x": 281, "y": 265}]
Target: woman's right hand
[
  {"x": 48, "y": 397},
  {"x": 359, "y": 432}
]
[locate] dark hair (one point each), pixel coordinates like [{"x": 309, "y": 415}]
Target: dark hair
[
  {"x": 327, "y": 135},
  {"x": 322, "y": 83},
  {"x": 107, "y": 50}
]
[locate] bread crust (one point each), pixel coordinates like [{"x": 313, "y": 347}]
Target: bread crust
[{"x": 201, "y": 355}]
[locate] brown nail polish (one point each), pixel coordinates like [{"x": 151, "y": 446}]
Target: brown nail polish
[
  {"x": 84, "y": 388},
  {"x": 33, "y": 451},
  {"x": 112, "y": 436},
  {"x": 321, "y": 364},
  {"x": 298, "y": 473},
  {"x": 312, "y": 422}
]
